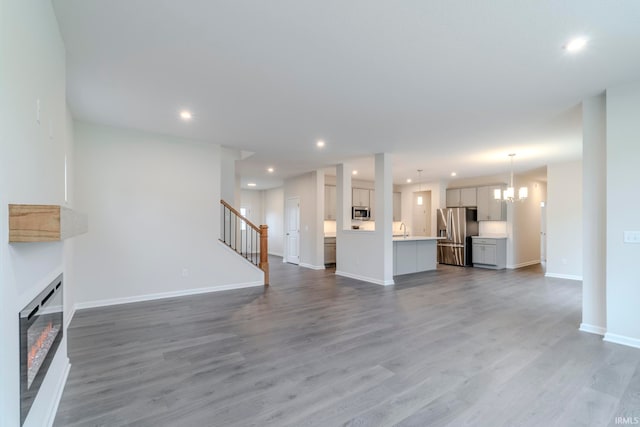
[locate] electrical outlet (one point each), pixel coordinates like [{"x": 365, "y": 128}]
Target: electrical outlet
[
  {"x": 632, "y": 237},
  {"x": 185, "y": 272}
]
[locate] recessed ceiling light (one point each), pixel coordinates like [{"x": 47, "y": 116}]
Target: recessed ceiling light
[
  {"x": 575, "y": 45},
  {"x": 251, "y": 184},
  {"x": 320, "y": 143},
  {"x": 354, "y": 173},
  {"x": 185, "y": 115},
  {"x": 270, "y": 170},
  {"x": 408, "y": 180},
  {"x": 453, "y": 174}
]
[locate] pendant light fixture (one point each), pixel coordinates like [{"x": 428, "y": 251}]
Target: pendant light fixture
[
  {"x": 419, "y": 200},
  {"x": 508, "y": 195}
]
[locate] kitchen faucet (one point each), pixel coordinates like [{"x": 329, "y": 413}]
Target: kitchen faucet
[{"x": 404, "y": 235}]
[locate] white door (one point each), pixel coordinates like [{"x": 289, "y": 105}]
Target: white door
[
  {"x": 543, "y": 236},
  {"x": 292, "y": 231}
]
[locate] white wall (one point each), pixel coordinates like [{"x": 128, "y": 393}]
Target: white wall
[
  {"x": 564, "y": 220},
  {"x": 153, "y": 204},
  {"x": 594, "y": 210},
  {"x": 267, "y": 207},
  {"x": 228, "y": 182},
  {"x": 438, "y": 195},
  {"x": 623, "y": 205},
  {"x": 32, "y": 66},
  {"x": 252, "y": 201},
  {"x": 274, "y": 218},
  {"x": 525, "y": 232},
  {"x": 304, "y": 187}
]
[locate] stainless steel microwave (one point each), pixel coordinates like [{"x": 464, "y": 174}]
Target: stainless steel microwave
[{"x": 362, "y": 213}]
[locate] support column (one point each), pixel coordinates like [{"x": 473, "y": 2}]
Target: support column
[
  {"x": 343, "y": 197},
  {"x": 384, "y": 213},
  {"x": 319, "y": 237},
  {"x": 594, "y": 205}
]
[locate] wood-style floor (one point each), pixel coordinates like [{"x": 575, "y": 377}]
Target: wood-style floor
[{"x": 458, "y": 346}]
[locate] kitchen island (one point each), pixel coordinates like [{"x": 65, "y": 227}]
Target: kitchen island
[{"x": 412, "y": 254}]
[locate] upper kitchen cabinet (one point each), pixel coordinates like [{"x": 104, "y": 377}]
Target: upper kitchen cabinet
[
  {"x": 461, "y": 197},
  {"x": 397, "y": 206},
  {"x": 490, "y": 209},
  {"x": 360, "y": 197},
  {"x": 330, "y": 200}
]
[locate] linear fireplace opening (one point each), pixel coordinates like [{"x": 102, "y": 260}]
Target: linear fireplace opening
[{"x": 40, "y": 335}]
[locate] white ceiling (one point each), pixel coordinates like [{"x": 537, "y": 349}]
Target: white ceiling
[{"x": 444, "y": 85}]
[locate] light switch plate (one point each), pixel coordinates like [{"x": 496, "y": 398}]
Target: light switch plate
[{"x": 632, "y": 237}]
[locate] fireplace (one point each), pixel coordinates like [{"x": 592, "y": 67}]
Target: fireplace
[{"x": 40, "y": 336}]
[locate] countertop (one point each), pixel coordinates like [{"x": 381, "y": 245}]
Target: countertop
[
  {"x": 414, "y": 238},
  {"x": 491, "y": 236},
  {"x": 395, "y": 238}
]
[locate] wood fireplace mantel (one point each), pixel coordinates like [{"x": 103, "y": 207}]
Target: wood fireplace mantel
[{"x": 44, "y": 223}]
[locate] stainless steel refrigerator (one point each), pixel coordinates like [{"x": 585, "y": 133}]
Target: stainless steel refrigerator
[{"x": 456, "y": 226}]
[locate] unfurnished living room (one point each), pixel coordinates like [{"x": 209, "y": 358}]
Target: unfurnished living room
[{"x": 330, "y": 213}]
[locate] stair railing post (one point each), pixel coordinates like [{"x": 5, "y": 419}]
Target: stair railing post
[{"x": 264, "y": 252}]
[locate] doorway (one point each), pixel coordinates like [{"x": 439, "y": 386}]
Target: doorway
[
  {"x": 421, "y": 220},
  {"x": 292, "y": 231}
]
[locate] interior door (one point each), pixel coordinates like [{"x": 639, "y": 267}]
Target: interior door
[{"x": 292, "y": 231}]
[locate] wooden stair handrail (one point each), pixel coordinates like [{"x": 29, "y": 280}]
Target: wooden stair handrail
[
  {"x": 263, "y": 232},
  {"x": 232, "y": 209}
]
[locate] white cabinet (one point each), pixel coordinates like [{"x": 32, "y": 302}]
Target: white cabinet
[
  {"x": 489, "y": 252},
  {"x": 453, "y": 197},
  {"x": 468, "y": 197},
  {"x": 329, "y": 250},
  {"x": 412, "y": 256},
  {"x": 360, "y": 197},
  {"x": 397, "y": 206},
  {"x": 490, "y": 209},
  {"x": 461, "y": 197},
  {"x": 330, "y": 200},
  {"x": 372, "y": 204}
]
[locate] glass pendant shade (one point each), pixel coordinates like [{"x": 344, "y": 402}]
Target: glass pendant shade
[
  {"x": 508, "y": 194},
  {"x": 523, "y": 193}
]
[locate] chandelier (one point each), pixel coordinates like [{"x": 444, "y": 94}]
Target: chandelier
[{"x": 508, "y": 195}]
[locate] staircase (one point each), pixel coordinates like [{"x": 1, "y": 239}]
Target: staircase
[{"x": 245, "y": 238}]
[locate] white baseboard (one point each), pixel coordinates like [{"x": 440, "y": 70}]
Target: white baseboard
[
  {"x": 563, "y": 276},
  {"x": 53, "y": 409},
  {"x": 622, "y": 340},
  {"x": 592, "y": 329},
  {"x": 524, "y": 264},
  {"x": 276, "y": 254},
  {"x": 313, "y": 267},
  {"x": 162, "y": 295},
  {"x": 365, "y": 278}
]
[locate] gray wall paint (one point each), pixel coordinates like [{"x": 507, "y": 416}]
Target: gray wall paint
[
  {"x": 594, "y": 210},
  {"x": 564, "y": 220},
  {"x": 623, "y": 205},
  {"x": 153, "y": 206}
]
